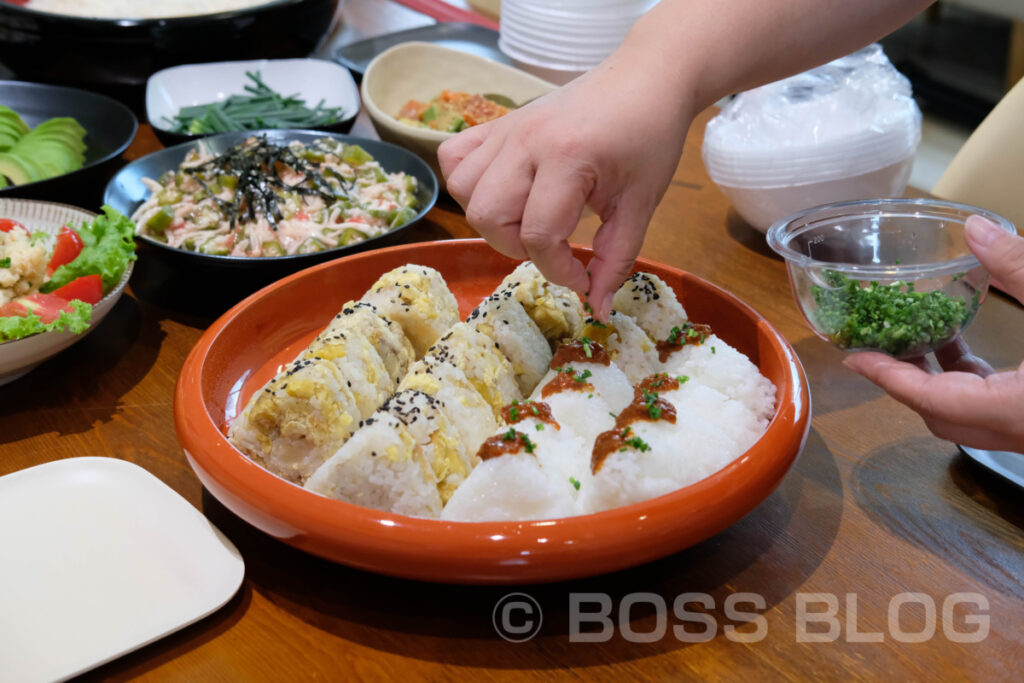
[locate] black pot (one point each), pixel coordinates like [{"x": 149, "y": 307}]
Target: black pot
[{"x": 118, "y": 55}]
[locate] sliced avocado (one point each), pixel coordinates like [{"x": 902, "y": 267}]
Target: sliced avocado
[
  {"x": 18, "y": 170},
  {"x": 65, "y": 138},
  {"x": 51, "y": 158},
  {"x": 7, "y": 140},
  {"x": 8, "y": 114},
  {"x": 65, "y": 123}
]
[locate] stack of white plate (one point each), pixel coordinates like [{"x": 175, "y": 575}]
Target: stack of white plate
[
  {"x": 560, "y": 39},
  {"x": 845, "y": 130}
]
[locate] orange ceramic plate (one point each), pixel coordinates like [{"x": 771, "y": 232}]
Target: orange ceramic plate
[{"x": 244, "y": 347}]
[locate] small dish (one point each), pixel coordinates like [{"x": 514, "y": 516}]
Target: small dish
[
  {"x": 102, "y": 558},
  {"x": 21, "y": 356},
  {"x": 890, "y": 275},
  {"x": 251, "y": 339},
  {"x": 469, "y": 38},
  {"x": 109, "y": 128},
  {"x": 126, "y": 192},
  {"x": 420, "y": 71},
  {"x": 313, "y": 80}
]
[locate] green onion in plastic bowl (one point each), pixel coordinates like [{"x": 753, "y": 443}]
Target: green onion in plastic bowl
[{"x": 889, "y": 275}]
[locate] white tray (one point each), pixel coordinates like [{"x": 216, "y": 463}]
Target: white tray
[{"x": 97, "y": 558}]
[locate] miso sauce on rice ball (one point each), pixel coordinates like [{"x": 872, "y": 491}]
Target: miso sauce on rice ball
[{"x": 510, "y": 484}]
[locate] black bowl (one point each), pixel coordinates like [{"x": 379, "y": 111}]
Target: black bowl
[
  {"x": 111, "y": 54},
  {"x": 109, "y": 128},
  {"x": 171, "y": 270}
]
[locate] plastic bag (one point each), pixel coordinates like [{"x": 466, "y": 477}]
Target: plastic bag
[{"x": 845, "y": 118}]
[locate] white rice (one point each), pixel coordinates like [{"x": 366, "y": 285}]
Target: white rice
[
  {"x": 504, "y": 320},
  {"x": 463, "y": 405},
  {"x": 680, "y": 454},
  {"x": 381, "y": 467},
  {"x": 556, "y": 310},
  {"x": 425, "y": 418},
  {"x": 653, "y": 304},
  {"x": 385, "y": 335},
  {"x": 483, "y": 364},
  {"x": 629, "y": 346},
  {"x": 720, "y": 366},
  {"x": 297, "y": 420},
  {"x": 418, "y": 299},
  {"x": 360, "y": 365},
  {"x": 510, "y": 487}
]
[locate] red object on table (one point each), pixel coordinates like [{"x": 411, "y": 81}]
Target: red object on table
[
  {"x": 442, "y": 11},
  {"x": 87, "y": 288},
  {"x": 69, "y": 245}
]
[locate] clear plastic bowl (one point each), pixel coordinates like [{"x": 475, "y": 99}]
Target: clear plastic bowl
[{"x": 890, "y": 275}]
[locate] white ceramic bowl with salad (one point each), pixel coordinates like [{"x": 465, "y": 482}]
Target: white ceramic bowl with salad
[{"x": 62, "y": 269}]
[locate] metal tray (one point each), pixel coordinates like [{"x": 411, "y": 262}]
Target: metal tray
[{"x": 469, "y": 38}]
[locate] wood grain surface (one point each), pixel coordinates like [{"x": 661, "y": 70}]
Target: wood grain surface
[{"x": 875, "y": 507}]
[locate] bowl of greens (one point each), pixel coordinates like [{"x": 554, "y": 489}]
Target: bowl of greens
[
  {"x": 197, "y": 100},
  {"x": 889, "y": 275}
]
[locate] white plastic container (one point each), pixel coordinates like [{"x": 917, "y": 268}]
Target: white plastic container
[
  {"x": 561, "y": 39},
  {"x": 846, "y": 130}
]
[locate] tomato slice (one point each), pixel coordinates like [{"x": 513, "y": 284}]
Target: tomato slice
[
  {"x": 47, "y": 306},
  {"x": 88, "y": 288},
  {"x": 69, "y": 246},
  {"x": 6, "y": 225},
  {"x": 13, "y": 309}
]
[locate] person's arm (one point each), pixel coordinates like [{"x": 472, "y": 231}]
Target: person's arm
[{"x": 612, "y": 138}]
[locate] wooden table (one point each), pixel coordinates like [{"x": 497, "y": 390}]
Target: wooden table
[{"x": 874, "y": 508}]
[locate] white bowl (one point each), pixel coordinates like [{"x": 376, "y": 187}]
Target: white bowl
[
  {"x": 763, "y": 206},
  {"x": 313, "y": 80},
  {"x": 419, "y": 71},
  {"x": 20, "y": 356}
]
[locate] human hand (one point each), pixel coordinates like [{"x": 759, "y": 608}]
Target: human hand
[
  {"x": 969, "y": 403},
  {"x": 610, "y": 140}
]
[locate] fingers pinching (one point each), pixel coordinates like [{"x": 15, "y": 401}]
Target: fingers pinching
[
  {"x": 616, "y": 246},
  {"x": 453, "y": 150},
  {"x": 461, "y": 181},
  {"x": 999, "y": 251},
  {"x": 496, "y": 208},
  {"x": 552, "y": 211}
]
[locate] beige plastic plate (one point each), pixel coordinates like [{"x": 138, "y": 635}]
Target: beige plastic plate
[{"x": 99, "y": 557}]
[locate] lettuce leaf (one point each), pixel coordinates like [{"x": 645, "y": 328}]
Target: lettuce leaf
[
  {"x": 17, "y": 327},
  {"x": 109, "y": 246}
]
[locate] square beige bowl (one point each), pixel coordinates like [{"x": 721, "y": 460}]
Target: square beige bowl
[{"x": 420, "y": 71}]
